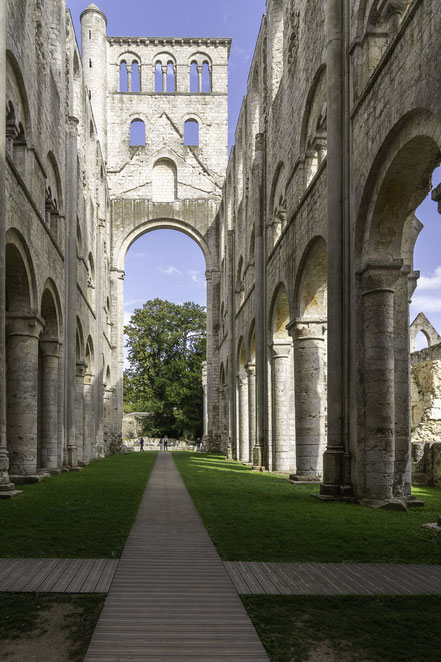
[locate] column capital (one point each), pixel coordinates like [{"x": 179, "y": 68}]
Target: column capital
[
  {"x": 250, "y": 368},
  {"x": 50, "y": 347},
  {"x": 81, "y": 367},
  {"x": 281, "y": 349},
  {"x": 378, "y": 276},
  {"x": 24, "y": 324},
  {"x": 73, "y": 123},
  {"x": 307, "y": 329},
  {"x": 389, "y": 7}
]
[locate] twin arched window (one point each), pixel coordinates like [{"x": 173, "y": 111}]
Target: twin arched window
[
  {"x": 130, "y": 76},
  {"x": 200, "y": 77},
  {"x": 138, "y": 133},
  {"x": 165, "y": 78}
]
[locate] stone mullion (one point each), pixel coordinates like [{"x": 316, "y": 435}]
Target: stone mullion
[
  {"x": 79, "y": 411},
  {"x": 22, "y": 333},
  {"x": 50, "y": 367},
  {"x": 89, "y": 439}
]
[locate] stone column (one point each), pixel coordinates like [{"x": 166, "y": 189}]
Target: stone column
[
  {"x": 79, "y": 411},
  {"x": 7, "y": 489},
  {"x": 199, "y": 68},
  {"x": 129, "y": 78},
  {"x": 22, "y": 334},
  {"x": 71, "y": 290},
  {"x": 98, "y": 390},
  {"x": 260, "y": 307},
  {"x": 50, "y": 371},
  {"x": 164, "y": 78},
  {"x": 379, "y": 341},
  {"x": 338, "y": 252},
  {"x": 251, "y": 373},
  {"x": 281, "y": 355},
  {"x": 211, "y": 364},
  {"x": 89, "y": 443},
  {"x": 232, "y": 432},
  {"x": 310, "y": 389},
  {"x": 205, "y": 411},
  {"x": 243, "y": 438}
]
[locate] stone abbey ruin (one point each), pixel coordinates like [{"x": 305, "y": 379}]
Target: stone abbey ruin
[{"x": 307, "y": 230}]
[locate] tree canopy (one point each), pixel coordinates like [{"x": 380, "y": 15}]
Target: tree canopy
[{"x": 166, "y": 348}]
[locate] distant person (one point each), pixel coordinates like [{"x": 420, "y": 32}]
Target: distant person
[
  {"x": 165, "y": 442},
  {"x": 198, "y": 445},
  {"x": 141, "y": 444}
]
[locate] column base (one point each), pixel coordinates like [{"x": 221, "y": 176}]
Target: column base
[
  {"x": 305, "y": 478},
  {"x": 9, "y": 493},
  {"x": 384, "y": 504},
  {"x": 260, "y": 468},
  {"x": 28, "y": 479},
  {"x": 413, "y": 502}
]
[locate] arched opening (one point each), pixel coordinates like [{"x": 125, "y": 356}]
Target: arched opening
[
  {"x": 171, "y": 81},
  {"x": 159, "y": 85},
  {"x": 164, "y": 270},
  {"x": 240, "y": 283},
  {"x": 400, "y": 181},
  {"x": 191, "y": 133},
  {"x": 243, "y": 442},
  {"x": 48, "y": 450},
  {"x": 252, "y": 393},
  {"x": 194, "y": 78},
  {"x": 223, "y": 408},
  {"x": 89, "y": 446},
  {"x": 277, "y": 206},
  {"x": 164, "y": 181},
  {"x": 421, "y": 341},
  {"x": 137, "y": 133},
  {"x": 136, "y": 77},
  {"x": 206, "y": 78},
  {"x": 91, "y": 280},
  {"x": 23, "y": 328},
  {"x": 282, "y": 456},
  {"x": 310, "y": 334},
  {"x": 79, "y": 393},
  {"x": 123, "y": 77},
  {"x": 314, "y": 139}
]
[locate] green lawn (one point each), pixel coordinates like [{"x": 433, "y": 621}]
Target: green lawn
[
  {"x": 353, "y": 629},
  {"x": 263, "y": 517},
  {"x": 84, "y": 514}
]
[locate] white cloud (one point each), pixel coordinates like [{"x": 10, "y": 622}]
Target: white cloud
[
  {"x": 427, "y": 304},
  {"x": 195, "y": 276},
  {"x": 128, "y": 304},
  {"x": 432, "y": 282},
  {"x": 127, "y": 317},
  {"x": 170, "y": 271}
]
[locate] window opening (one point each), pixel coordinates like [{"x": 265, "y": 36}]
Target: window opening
[
  {"x": 158, "y": 77},
  {"x": 191, "y": 133},
  {"x": 171, "y": 84},
  {"x": 136, "y": 78},
  {"x": 137, "y": 133},
  {"x": 123, "y": 78},
  {"x": 90, "y": 64},
  {"x": 206, "y": 77},
  {"x": 194, "y": 77}
]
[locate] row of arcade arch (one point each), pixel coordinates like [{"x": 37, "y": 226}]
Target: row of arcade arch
[{"x": 165, "y": 74}]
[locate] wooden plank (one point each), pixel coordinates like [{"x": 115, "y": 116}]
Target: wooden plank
[
  {"x": 236, "y": 577},
  {"x": 269, "y": 587},
  {"x": 16, "y": 572},
  {"x": 63, "y": 582},
  {"x": 50, "y": 581},
  {"x": 8, "y": 567},
  {"x": 105, "y": 581},
  {"x": 91, "y": 582},
  {"x": 43, "y": 573},
  {"x": 27, "y": 574}
]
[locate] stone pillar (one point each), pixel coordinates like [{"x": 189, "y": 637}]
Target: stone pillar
[
  {"x": 211, "y": 367},
  {"x": 71, "y": 264},
  {"x": 379, "y": 341},
  {"x": 260, "y": 307},
  {"x": 129, "y": 78},
  {"x": 50, "y": 371},
  {"x": 89, "y": 444},
  {"x": 338, "y": 253},
  {"x": 199, "y": 68},
  {"x": 281, "y": 355},
  {"x": 310, "y": 389},
  {"x": 7, "y": 489},
  {"x": 164, "y": 78},
  {"x": 79, "y": 411},
  {"x": 22, "y": 334},
  {"x": 251, "y": 373},
  {"x": 98, "y": 390},
  {"x": 232, "y": 433},
  {"x": 205, "y": 411},
  {"x": 242, "y": 400}
]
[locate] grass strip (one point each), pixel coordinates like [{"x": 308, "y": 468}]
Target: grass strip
[
  {"x": 24, "y": 614},
  {"x": 82, "y": 514},
  {"x": 349, "y": 629},
  {"x": 263, "y": 517}
]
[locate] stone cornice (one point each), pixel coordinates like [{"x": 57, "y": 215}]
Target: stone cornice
[{"x": 163, "y": 42}]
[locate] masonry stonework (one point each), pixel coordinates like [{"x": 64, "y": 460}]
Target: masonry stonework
[{"x": 307, "y": 230}]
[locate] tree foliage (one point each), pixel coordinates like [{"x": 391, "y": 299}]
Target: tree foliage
[{"x": 166, "y": 348}]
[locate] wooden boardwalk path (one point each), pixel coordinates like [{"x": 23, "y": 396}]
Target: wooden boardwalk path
[
  {"x": 335, "y": 578},
  {"x": 171, "y": 597}
]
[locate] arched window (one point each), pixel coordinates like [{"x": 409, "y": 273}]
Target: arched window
[
  {"x": 158, "y": 78},
  {"x": 191, "y": 133},
  {"x": 123, "y": 77},
  {"x": 206, "y": 77},
  {"x": 164, "y": 181},
  {"x": 137, "y": 133},
  {"x": 194, "y": 78},
  {"x": 91, "y": 131},
  {"x": 136, "y": 77},
  {"x": 171, "y": 83}
]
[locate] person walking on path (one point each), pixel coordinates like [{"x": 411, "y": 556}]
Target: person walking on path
[
  {"x": 141, "y": 444},
  {"x": 164, "y": 442}
]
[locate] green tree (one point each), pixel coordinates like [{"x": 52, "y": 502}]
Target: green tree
[{"x": 166, "y": 348}]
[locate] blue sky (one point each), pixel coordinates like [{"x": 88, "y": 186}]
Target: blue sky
[{"x": 168, "y": 264}]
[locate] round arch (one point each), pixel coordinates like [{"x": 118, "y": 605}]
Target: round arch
[
  {"x": 51, "y": 310},
  {"x": 21, "y": 288},
  {"x": 310, "y": 290}
]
